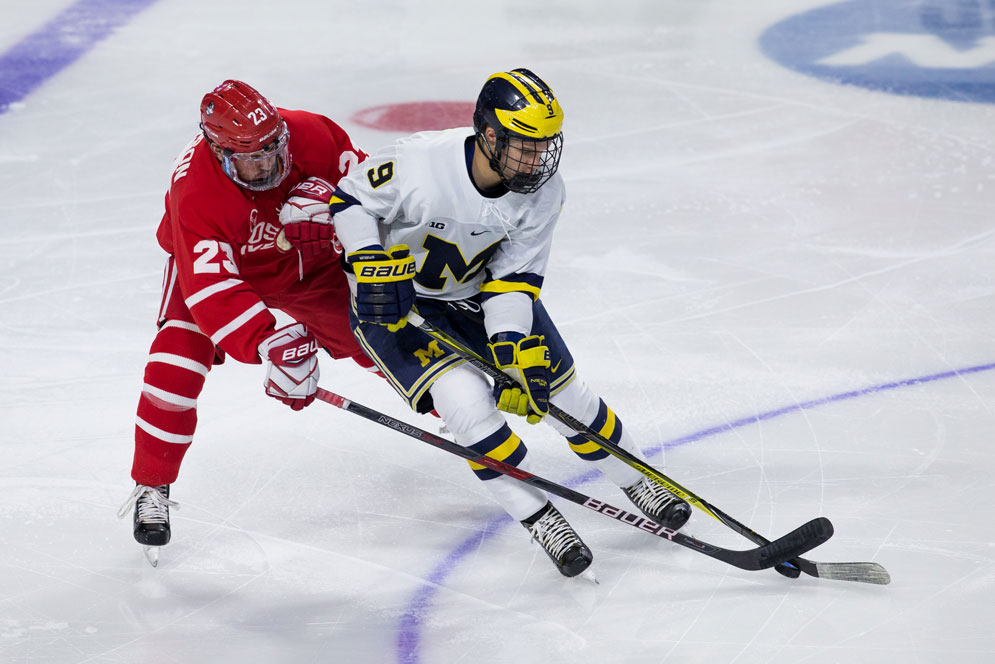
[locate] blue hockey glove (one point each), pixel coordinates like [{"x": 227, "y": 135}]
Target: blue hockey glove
[
  {"x": 385, "y": 290},
  {"x": 526, "y": 360}
]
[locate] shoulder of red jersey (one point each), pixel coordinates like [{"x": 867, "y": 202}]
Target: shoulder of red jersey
[
  {"x": 319, "y": 146},
  {"x": 198, "y": 189}
]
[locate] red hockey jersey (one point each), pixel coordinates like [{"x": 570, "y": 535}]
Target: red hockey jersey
[{"x": 223, "y": 237}]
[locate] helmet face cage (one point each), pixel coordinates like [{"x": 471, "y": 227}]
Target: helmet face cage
[
  {"x": 527, "y": 120},
  {"x": 525, "y": 164},
  {"x": 260, "y": 170}
]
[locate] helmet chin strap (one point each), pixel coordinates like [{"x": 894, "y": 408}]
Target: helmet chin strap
[
  {"x": 493, "y": 157},
  {"x": 523, "y": 181},
  {"x": 493, "y": 160}
]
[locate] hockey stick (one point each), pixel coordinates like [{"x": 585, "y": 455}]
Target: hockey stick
[
  {"x": 798, "y": 541},
  {"x": 863, "y": 572}
]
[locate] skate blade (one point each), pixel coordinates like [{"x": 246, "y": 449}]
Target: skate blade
[
  {"x": 151, "y": 555},
  {"x": 590, "y": 576}
]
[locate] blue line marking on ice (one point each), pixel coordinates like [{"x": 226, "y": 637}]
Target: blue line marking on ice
[
  {"x": 806, "y": 405},
  {"x": 409, "y": 637},
  {"x": 59, "y": 43}
]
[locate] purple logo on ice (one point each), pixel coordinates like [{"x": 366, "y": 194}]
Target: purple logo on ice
[{"x": 927, "y": 48}]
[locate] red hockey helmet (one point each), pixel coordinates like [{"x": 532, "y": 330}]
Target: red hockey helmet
[{"x": 252, "y": 136}]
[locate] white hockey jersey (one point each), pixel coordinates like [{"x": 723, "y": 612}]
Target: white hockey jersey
[{"x": 419, "y": 192}]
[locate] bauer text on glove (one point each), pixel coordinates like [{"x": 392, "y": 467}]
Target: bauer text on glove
[
  {"x": 385, "y": 290},
  {"x": 291, "y": 358}
]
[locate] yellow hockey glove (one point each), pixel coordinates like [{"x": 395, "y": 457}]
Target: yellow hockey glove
[{"x": 526, "y": 361}]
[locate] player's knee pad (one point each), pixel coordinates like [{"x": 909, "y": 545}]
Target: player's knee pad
[{"x": 464, "y": 400}]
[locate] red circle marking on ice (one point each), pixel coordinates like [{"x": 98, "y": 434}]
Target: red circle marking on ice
[{"x": 417, "y": 116}]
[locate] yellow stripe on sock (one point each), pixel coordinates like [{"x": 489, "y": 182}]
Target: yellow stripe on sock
[{"x": 501, "y": 452}]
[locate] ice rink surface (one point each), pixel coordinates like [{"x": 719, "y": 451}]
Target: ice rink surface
[{"x": 782, "y": 282}]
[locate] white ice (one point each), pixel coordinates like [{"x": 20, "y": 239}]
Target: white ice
[{"x": 738, "y": 239}]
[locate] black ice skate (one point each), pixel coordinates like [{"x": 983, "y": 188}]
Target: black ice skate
[
  {"x": 151, "y": 517},
  {"x": 658, "y": 504},
  {"x": 559, "y": 540}
]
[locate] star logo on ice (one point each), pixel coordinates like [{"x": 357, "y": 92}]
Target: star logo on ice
[
  {"x": 931, "y": 48},
  {"x": 924, "y": 51}
]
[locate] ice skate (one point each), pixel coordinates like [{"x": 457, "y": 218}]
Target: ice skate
[
  {"x": 151, "y": 518},
  {"x": 658, "y": 503},
  {"x": 559, "y": 540}
]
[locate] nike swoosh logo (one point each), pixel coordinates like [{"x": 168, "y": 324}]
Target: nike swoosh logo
[
  {"x": 478, "y": 232},
  {"x": 553, "y": 370}
]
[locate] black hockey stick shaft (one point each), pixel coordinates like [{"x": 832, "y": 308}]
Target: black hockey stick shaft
[
  {"x": 614, "y": 449},
  {"x": 798, "y": 541},
  {"x": 609, "y": 446}
]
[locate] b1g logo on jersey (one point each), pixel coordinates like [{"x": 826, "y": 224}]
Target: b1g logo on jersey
[{"x": 928, "y": 48}]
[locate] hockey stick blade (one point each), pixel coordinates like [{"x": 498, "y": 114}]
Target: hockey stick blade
[
  {"x": 791, "y": 568},
  {"x": 857, "y": 572},
  {"x": 794, "y": 543},
  {"x": 798, "y": 541}
]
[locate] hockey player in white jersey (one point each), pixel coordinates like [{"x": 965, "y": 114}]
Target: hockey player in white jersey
[{"x": 458, "y": 224}]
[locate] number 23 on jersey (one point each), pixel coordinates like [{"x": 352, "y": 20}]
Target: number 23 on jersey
[{"x": 214, "y": 256}]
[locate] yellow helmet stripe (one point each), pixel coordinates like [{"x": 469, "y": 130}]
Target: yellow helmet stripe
[
  {"x": 541, "y": 119},
  {"x": 532, "y": 89},
  {"x": 525, "y": 87}
]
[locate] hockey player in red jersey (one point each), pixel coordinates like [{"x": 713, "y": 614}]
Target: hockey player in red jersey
[{"x": 228, "y": 264}]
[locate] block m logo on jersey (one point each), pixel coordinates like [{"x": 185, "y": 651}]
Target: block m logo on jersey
[
  {"x": 445, "y": 256},
  {"x": 928, "y": 48}
]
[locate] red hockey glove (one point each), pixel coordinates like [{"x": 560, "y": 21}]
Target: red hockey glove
[
  {"x": 307, "y": 224},
  {"x": 291, "y": 358}
]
